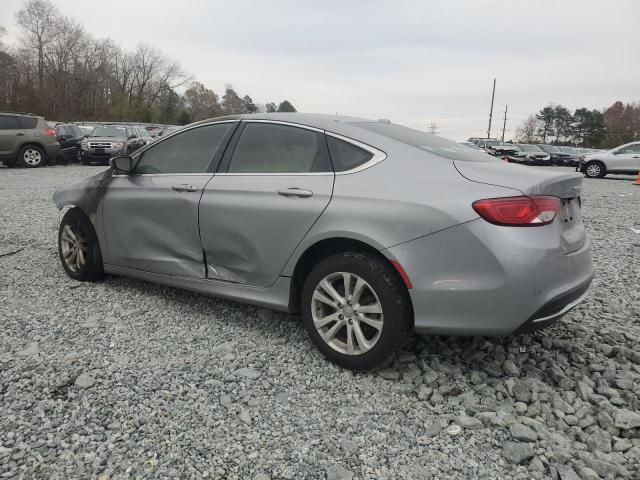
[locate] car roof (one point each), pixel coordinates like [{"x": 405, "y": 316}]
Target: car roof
[{"x": 334, "y": 123}]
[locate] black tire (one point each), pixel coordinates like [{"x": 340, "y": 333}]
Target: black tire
[
  {"x": 393, "y": 298},
  {"x": 92, "y": 269},
  {"x": 597, "y": 169},
  {"x": 27, "y": 155}
]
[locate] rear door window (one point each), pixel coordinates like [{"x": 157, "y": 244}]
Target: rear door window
[
  {"x": 346, "y": 156},
  {"x": 275, "y": 148}
]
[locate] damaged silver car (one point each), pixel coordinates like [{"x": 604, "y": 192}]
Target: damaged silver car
[{"x": 368, "y": 229}]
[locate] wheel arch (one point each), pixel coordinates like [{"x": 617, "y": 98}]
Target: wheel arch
[
  {"x": 35, "y": 144},
  {"x": 320, "y": 250}
]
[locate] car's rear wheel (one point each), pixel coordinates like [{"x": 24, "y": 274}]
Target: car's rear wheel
[
  {"x": 31, "y": 156},
  {"x": 79, "y": 248},
  {"x": 356, "y": 309},
  {"x": 594, "y": 170}
]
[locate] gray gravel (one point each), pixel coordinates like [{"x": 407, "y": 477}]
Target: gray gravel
[{"x": 125, "y": 379}]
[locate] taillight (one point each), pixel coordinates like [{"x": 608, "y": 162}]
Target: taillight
[
  {"x": 50, "y": 131},
  {"x": 518, "y": 211}
]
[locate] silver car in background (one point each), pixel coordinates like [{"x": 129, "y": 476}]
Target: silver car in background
[
  {"x": 624, "y": 159},
  {"x": 368, "y": 229}
]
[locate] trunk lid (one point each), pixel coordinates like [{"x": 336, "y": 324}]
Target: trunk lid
[{"x": 532, "y": 181}]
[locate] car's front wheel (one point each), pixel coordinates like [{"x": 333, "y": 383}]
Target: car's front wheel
[
  {"x": 79, "y": 248},
  {"x": 594, "y": 170},
  {"x": 356, "y": 309}
]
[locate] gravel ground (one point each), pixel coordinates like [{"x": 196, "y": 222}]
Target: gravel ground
[{"x": 125, "y": 379}]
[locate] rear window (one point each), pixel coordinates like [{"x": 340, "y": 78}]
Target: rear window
[
  {"x": 346, "y": 156},
  {"x": 427, "y": 142}
]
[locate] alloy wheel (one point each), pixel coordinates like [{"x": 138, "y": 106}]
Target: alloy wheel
[
  {"x": 32, "y": 157},
  {"x": 74, "y": 248},
  {"x": 347, "y": 313},
  {"x": 593, "y": 170}
]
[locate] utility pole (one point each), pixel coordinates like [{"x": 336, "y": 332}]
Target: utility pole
[
  {"x": 493, "y": 93},
  {"x": 504, "y": 124}
]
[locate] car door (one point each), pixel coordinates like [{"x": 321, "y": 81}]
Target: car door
[
  {"x": 150, "y": 217},
  {"x": 274, "y": 182},
  {"x": 10, "y": 135},
  {"x": 626, "y": 158}
]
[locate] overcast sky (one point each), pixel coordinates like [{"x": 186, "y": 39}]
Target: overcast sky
[{"x": 413, "y": 62}]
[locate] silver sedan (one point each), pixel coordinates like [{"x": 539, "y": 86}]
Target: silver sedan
[{"x": 368, "y": 229}]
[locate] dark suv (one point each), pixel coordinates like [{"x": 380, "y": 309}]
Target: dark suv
[
  {"x": 26, "y": 140},
  {"x": 70, "y": 136},
  {"x": 108, "y": 141}
]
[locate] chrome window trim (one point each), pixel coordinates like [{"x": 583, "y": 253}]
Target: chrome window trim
[
  {"x": 144, "y": 148},
  {"x": 187, "y": 128},
  {"x": 378, "y": 155},
  {"x": 203, "y": 174},
  {"x": 289, "y": 124},
  {"x": 284, "y": 174}
]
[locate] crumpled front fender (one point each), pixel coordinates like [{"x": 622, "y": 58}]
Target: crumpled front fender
[{"x": 85, "y": 195}]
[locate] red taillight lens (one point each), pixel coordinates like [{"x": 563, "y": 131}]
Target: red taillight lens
[
  {"x": 518, "y": 211},
  {"x": 50, "y": 131}
]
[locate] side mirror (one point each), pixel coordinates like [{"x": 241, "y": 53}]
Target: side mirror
[{"x": 121, "y": 164}]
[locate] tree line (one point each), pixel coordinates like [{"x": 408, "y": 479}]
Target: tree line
[
  {"x": 590, "y": 128},
  {"x": 62, "y": 72}
]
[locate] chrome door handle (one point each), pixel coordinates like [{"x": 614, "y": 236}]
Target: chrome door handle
[
  {"x": 184, "y": 188},
  {"x": 295, "y": 192}
]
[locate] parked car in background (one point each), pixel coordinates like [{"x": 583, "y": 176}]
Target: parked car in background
[
  {"x": 70, "y": 137},
  {"x": 86, "y": 129},
  {"x": 144, "y": 134},
  {"x": 170, "y": 129},
  {"x": 575, "y": 155},
  {"x": 484, "y": 143},
  {"x": 624, "y": 159},
  {"x": 503, "y": 150},
  {"x": 470, "y": 145},
  {"x": 108, "y": 141},
  {"x": 26, "y": 140},
  {"x": 154, "y": 130},
  {"x": 532, "y": 155},
  {"x": 558, "y": 157},
  {"x": 368, "y": 229}
]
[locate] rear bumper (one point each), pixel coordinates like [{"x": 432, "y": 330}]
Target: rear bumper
[
  {"x": 555, "y": 309},
  {"x": 480, "y": 279},
  {"x": 52, "y": 150}
]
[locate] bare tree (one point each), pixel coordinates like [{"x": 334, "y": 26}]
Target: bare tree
[
  {"x": 38, "y": 18},
  {"x": 527, "y": 132}
]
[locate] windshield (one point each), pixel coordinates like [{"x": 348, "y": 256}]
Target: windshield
[
  {"x": 530, "y": 148},
  {"x": 109, "y": 131},
  {"x": 427, "y": 142}
]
